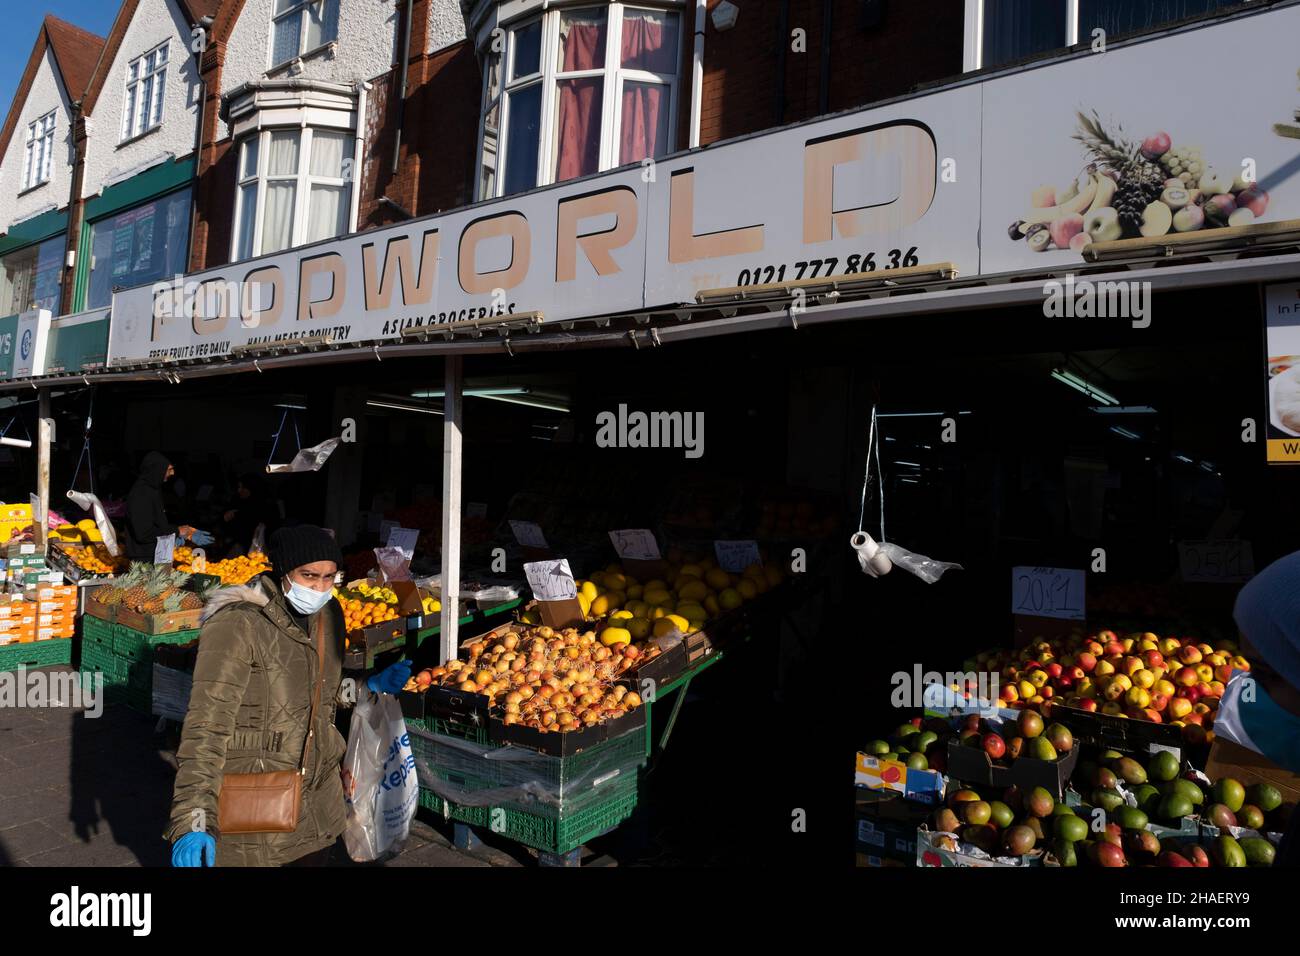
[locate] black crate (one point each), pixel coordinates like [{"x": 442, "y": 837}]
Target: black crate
[
  {"x": 447, "y": 703},
  {"x": 974, "y": 767},
  {"x": 567, "y": 744},
  {"x": 1117, "y": 733}
]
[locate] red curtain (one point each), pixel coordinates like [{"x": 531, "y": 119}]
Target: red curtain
[
  {"x": 578, "y": 151},
  {"x": 644, "y": 106}
]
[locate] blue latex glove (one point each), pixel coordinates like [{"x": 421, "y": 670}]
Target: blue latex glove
[
  {"x": 202, "y": 539},
  {"x": 194, "y": 849},
  {"x": 391, "y": 679}
]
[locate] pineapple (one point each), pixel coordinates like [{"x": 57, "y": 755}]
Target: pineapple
[
  {"x": 190, "y": 601},
  {"x": 135, "y": 585},
  {"x": 1140, "y": 181}
]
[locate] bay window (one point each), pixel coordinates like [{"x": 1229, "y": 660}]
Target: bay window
[
  {"x": 294, "y": 188},
  {"x": 576, "y": 91},
  {"x": 300, "y": 26},
  {"x": 999, "y": 32}
]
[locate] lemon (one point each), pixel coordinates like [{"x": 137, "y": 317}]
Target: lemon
[
  {"x": 658, "y": 584},
  {"x": 694, "y": 590},
  {"x": 589, "y": 589},
  {"x": 711, "y": 605},
  {"x": 638, "y": 608},
  {"x": 616, "y": 599},
  {"x": 615, "y": 635},
  {"x": 620, "y": 615},
  {"x": 691, "y": 571},
  {"x": 717, "y": 579},
  {"x": 615, "y": 581},
  {"x": 657, "y": 613},
  {"x": 635, "y": 590},
  {"x": 730, "y": 599},
  {"x": 670, "y": 625},
  {"x": 693, "y": 613},
  {"x": 748, "y": 589},
  {"x": 639, "y": 628},
  {"x": 601, "y": 606}
]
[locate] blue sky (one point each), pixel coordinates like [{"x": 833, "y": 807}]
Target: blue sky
[{"x": 22, "y": 20}]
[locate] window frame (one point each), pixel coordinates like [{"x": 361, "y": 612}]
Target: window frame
[
  {"x": 303, "y": 181},
  {"x": 38, "y": 151},
  {"x": 132, "y": 127},
  {"x": 973, "y": 38},
  {"x": 302, "y": 10},
  {"x": 613, "y": 76}
]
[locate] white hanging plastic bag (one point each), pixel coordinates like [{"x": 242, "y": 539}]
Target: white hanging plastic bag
[
  {"x": 927, "y": 569},
  {"x": 307, "y": 459},
  {"x": 88, "y": 502},
  {"x": 379, "y": 779}
]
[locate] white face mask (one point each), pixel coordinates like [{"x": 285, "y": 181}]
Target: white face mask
[{"x": 306, "y": 600}]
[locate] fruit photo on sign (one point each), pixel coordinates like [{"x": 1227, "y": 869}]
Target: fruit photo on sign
[{"x": 1130, "y": 189}]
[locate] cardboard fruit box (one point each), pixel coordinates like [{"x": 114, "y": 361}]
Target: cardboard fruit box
[
  {"x": 1118, "y": 733},
  {"x": 923, "y": 786},
  {"x": 975, "y": 767},
  {"x": 366, "y": 644},
  {"x": 166, "y": 623},
  {"x": 931, "y": 851}
]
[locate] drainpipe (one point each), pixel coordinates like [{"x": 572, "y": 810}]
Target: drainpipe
[
  {"x": 206, "y": 24},
  {"x": 401, "y": 88},
  {"x": 72, "y": 249},
  {"x": 824, "y": 96},
  {"x": 782, "y": 43},
  {"x": 697, "y": 73}
]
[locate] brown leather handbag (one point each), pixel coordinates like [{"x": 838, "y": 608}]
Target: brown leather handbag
[{"x": 270, "y": 802}]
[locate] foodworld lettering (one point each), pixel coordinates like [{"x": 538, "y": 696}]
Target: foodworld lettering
[{"x": 400, "y": 271}]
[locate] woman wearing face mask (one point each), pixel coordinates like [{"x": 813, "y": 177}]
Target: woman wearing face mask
[
  {"x": 266, "y": 651},
  {"x": 1260, "y": 708}
]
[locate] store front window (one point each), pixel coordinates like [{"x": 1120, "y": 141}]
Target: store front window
[
  {"x": 294, "y": 188},
  {"x": 139, "y": 245},
  {"x": 30, "y": 278},
  {"x": 1010, "y": 30},
  {"x": 578, "y": 91}
]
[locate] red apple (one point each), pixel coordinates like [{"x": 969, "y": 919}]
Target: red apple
[
  {"x": 994, "y": 746},
  {"x": 1187, "y": 677},
  {"x": 1152, "y": 715},
  {"x": 1153, "y": 659},
  {"x": 1194, "y": 717},
  {"x": 1194, "y": 734},
  {"x": 1223, "y": 673},
  {"x": 1189, "y": 654},
  {"x": 1087, "y": 660},
  {"x": 1254, "y": 199},
  {"x": 1156, "y": 145},
  {"x": 1088, "y": 704},
  {"x": 1159, "y": 701},
  {"x": 1008, "y": 693}
]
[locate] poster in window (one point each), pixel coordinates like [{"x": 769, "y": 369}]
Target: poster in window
[
  {"x": 123, "y": 237},
  {"x": 144, "y": 222}
]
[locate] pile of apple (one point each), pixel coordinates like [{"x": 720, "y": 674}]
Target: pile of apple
[
  {"x": 923, "y": 744},
  {"x": 1142, "y": 676}
]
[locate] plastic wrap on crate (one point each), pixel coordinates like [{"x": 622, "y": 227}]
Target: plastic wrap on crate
[
  {"x": 490, "y": 775},
  {"x": 171, "y": 692},
  {"x": 499, "y": 592}
]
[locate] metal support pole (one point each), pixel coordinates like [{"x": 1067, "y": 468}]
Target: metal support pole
[
  {"x": 453, "y": 411},
  {"x": 44, "y": 435}
]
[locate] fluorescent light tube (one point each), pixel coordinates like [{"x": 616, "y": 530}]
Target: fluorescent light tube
[
  {"x": 1083, "y": 385},
  {"x": 405, "y": 408}
]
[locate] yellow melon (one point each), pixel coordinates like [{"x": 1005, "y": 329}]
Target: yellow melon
[
  {"x": 711, "y": 605},
  {"x": 588, "y": 588},
  {"x": 615, "y": 635},
  {"x": 691, "y": 571},
  {"x": 747, "y": 588},
  {"x": 730, "y": 599},
  {"x": 639, "y": 628},
  {"x": 694, "y": 590},
  {"x": 717, "y": 579}
]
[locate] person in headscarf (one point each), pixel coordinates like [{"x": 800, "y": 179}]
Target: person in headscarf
[
  {"x": 146, "y": 516},
  {"x": 1260, "y": 708}
]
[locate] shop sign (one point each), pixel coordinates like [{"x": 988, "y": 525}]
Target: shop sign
[
  {"x": 1011, "y": 174},
  {"x": 77, "y": 343},
  {"x": 30, "y": 341},
  {"x": 1282, "y": 344}
]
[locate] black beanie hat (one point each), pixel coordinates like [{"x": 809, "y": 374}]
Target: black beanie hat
[{"x": 304, "y": 544}]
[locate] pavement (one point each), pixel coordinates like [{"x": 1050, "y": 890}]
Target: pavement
[{"x": 79, "y": 791}]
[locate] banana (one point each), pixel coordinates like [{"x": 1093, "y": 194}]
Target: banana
[
  {"x": 1105, "y": 193},
  {"x": 1074, "y": 206}
]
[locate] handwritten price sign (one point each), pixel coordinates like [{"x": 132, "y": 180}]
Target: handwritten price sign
[
  {"x": 528, "y": 534},
  {"x": 551, "y": 580},
  {"x": 1048, "y": 592},
  {"x": 1216, "y": 562},
  {"x": 635, "y": 544},
  {"x": 736, "y": 555}
]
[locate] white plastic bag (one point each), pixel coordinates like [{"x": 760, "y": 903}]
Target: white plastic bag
[
  {"x": 91, "y": 503},
  {"x": 379, "y": 782}
]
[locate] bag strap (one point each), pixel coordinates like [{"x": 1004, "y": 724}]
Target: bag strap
[{"x": 315, "y": 699}]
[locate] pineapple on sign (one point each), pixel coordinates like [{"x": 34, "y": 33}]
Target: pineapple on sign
[{"x": 1140, "y": 181}]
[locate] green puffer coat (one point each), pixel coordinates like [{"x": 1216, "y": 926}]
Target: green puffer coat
[{"x": 248, "y": 713}]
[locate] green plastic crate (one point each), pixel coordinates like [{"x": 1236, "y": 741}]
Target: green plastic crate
[
  {"x": 451, "y": 728},
  {"x": 92, "y": 628},
  {"x": 96, "y": 657},
  {"x": 474, "y": 816},
  {"x": 555, "y": 829},
  {"x": 36, "y": 654},
  {"x": 135, "y": 645}
]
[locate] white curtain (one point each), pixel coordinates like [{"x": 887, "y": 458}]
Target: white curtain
[
  {"x": 283, "y": 158},
  {"x": 327, "y": 152},
  {"x": 277, "y": 227},
  {"x": 325, "y": 217},
  {"x": 247, "y": 219}
]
